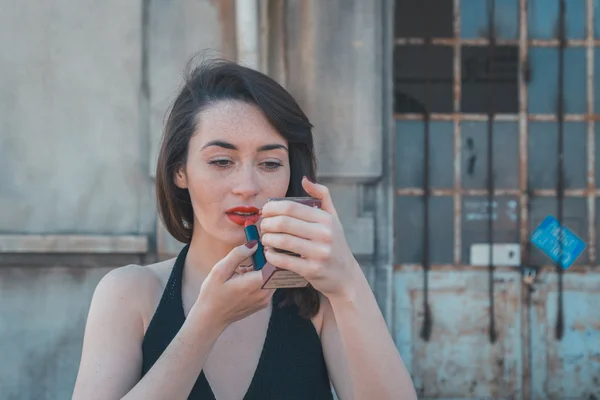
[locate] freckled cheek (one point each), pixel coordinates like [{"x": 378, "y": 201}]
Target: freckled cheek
[
  {"x": 275, "y": 186},
  {"x": 205, "y": 189}
]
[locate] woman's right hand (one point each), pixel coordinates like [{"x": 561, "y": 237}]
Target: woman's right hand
[{"x": 228, "y": 296}]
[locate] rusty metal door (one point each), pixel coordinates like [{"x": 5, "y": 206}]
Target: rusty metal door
[{"x": 496, "y": 109}]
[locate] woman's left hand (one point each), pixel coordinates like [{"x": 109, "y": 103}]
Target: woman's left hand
[{"x": 317, "y": 235}]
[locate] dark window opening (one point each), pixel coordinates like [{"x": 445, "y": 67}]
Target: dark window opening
[
  {"x": 419, "y": 18},
  {"x": 423, "y": 79},
  {"x": 424, "y": 74},
  {"x": 490, "y": 79}
]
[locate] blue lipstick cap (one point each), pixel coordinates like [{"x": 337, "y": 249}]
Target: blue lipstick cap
[{"x": 258, "y": 258}]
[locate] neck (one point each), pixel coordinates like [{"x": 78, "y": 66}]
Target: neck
[{"x": 205, "y": 251}]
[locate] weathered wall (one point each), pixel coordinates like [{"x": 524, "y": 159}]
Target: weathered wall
[
  {"x": 42, "y": 317},
  {"x": 470, "y": 193},
  {"x": 335, "y": 71},
  {"x": 333, "y": 54},
  {"x": 459, "y": 361},
  {"x": 83, "y": 90},
  {"x": 73, "y": 157}
]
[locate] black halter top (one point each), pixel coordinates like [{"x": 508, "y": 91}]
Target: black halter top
[{"x": 291, "y": 364}]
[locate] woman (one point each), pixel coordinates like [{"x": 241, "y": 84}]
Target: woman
[{"x": 200, "y": 326}]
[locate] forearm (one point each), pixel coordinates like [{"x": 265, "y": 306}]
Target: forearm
[
  {"x": 176, "y": 371},
  {"x": 375, "y": 366}
]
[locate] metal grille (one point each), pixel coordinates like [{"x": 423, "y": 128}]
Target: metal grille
[
  {"x": 431, "y": 115},
  {"x": 523, "y": 118}
]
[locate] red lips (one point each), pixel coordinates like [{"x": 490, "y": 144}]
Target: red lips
[{"x": 243, "y": 214}]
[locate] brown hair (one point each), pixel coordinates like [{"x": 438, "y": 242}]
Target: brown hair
[{"x": 203, "y": 86}]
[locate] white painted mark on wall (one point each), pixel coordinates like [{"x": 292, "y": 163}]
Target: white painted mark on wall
[
  {"x": 479, "y": 210},
  {"x": 503, "y": 254}
]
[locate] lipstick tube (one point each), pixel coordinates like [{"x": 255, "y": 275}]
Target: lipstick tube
[{"x": 258, "y": 258}]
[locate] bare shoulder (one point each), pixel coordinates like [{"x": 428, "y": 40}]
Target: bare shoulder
[
  {"x": 136, "y": 288},
  {"x": 135, "y": 278},
  {"x": 111, "y": 356},
  {"x": 127, "y": 281}
]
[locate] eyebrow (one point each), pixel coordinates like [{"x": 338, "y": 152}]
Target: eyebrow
[{"x": 227, "y": 145}]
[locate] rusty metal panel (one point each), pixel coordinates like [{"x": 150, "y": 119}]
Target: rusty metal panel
[
  {"x": 523, "y": 188},
  {"x": 518, "y": 81},
  {"x": 459, "y": 361},
  {"x": 569, "y": 368}
]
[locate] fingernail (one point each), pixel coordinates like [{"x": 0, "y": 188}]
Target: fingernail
[{"x": 251, "y": 244}]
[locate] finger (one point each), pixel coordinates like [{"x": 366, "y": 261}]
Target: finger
[
  {"x": 248, "y": 285},
  {"x": 295, "y": 264},
  {"x": 258, "y": 224},
  {"x": 294, "y": 226},
  {"x": 320, "y": 192},
  {"x": 284, "y": 241},
  {"x": 247, "y": 268},
  {"x": 225, "y": 268},
  {"x": 242, "y": 269},
  {"x": 305, "y": 248},
  {"x": 295, "y": 210}
]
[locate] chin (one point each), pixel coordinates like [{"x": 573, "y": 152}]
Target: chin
[
  {"x": 224, "y": 232},
  {"x": 233, "y": 238}
]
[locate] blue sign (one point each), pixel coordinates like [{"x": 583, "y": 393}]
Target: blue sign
[{"x": 546, "y": 237}]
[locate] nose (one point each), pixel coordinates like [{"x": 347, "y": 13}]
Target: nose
[{"x": 246, "y": 184}]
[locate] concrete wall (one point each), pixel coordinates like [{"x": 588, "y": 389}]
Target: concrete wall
[
  {"x": 83, "y": 90},
  {"x": 336, "y": 70},
  {"x": 43, "y": 312},
  {"x": 73, "y": 154}
]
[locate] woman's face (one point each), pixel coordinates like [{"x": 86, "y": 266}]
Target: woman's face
[{"x": 236, "y": 161}]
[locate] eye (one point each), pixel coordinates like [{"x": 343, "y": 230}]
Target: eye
[
  {"x": 223, "y": 163},
  {"x": 272, "y": 165}
]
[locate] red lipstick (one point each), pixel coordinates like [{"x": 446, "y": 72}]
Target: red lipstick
[{"x": 242, "y": 214}]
